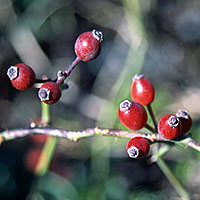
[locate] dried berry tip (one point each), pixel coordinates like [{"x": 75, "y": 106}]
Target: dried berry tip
[
  {"x": 125, "y": 105},
  {"x": 44, "y": 94},
  {"x": 173, "y": 121},
  {"x": 13, "y": 72},
  {"x": 183, "y": 114},
  {"x": 137, "y": 77},
  {"x": 98, "y": 35},
  {"x": 133, "y": 152}
]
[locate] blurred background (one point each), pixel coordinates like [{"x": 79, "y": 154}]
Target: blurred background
[{"x": 159, "y": 38}]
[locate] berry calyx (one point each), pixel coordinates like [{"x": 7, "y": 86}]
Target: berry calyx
[
  {"x": 142, "y": 91},
  {"x": 132, "y": 115},
  {"x": 169, "y": 126},
  {"x": 185, "y": 119},
  {"x": 137, "y": 147},
  {"x": 49, "y": 93},
  {"x": 22, "y": 76},
  {"x": 88, "y": 45}
]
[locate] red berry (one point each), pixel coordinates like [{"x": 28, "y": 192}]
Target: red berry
[
  {"x": 88, "y": 45},
  {"x": 39, "y": 139},
  {"x": 31, "y": 158},
  {"x": 169, "y": 126},
  {"x": 137, "y": 147},
  {"x": 49, "y": 93},
  {"x": 132, "y": 115},
  {"x": 186, "y": 121},
  {"x": 22, "y": 76},
  {"x": 142, "y": 91}
]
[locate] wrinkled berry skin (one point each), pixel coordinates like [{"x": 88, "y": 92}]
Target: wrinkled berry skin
[
  {"x": 186, "y": 121},
  {"x": 88, "y": 45},
  {"x": 22, "y": 76},
  {"x": 49, "y": 93},
  {"x": 142, "y": 91},
  {"x": 132, "y": 115},
  {"x": 137, "y": 147},
  {"x": 169, "y": 126}
]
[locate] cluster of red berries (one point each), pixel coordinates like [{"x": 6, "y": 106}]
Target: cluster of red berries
[
  {"x": 133, "y": 115},
  {"x": 87, "y": 47}
]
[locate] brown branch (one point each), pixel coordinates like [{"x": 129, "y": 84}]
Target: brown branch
[
  {"x": 61, "y": 76},
  {"x": 7, "y": 135}
]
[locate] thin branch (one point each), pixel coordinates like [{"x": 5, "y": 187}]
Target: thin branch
[
  {"x": 172, "y": 179},
  {"x": 152, "y": 116},
  {"x": 150, "y": 128},
  {"x": 76, "y": 135},
  {"x": 61, "y": 76}
]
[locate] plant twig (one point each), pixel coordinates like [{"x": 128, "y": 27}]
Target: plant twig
[
  {"x": 7, "y": 135},
  {"x": 172, "y": 179},
  {"x": 61, "y": 76},
  {"x": 152, "y": 116},
  {"x": 150, "y": 128},
  {"x": 160, "y": 152},
  {"x": 49, "y": 146}
]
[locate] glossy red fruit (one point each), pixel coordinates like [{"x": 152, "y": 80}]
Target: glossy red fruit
[
  {"x": 137, "y": 147},
  {"x": 88, "y": 45},
  {"x": 186, "y": 121},
  {"x": 49, "y": 93},
  {"x": 169, "y": 126},
  {"x": 132, "y": 115},
  {"x": 22, "y": 76},
  {"x": 142, "y": 91}
]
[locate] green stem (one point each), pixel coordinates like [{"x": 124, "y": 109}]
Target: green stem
[
  {"x": 49, "y": 147},
  {"x": 171, "y": 178},
  {"x": 160, "y": 152},
  {"x": 45, "y": 115}
]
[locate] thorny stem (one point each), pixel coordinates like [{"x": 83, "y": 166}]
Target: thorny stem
[{"x": 76, "y": 135}]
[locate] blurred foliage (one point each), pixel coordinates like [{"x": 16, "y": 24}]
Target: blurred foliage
[{"x": 159, "y": 38}]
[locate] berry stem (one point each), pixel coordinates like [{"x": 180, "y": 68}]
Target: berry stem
[
  {"x": 43, "y": 80},
  {"x": 63, "y": 75},
  {"x": 45, "y": 113},
  {"x": 160, "y": 152},
  {"x": 150, "y": 128},
  {"x": 49, "y": 146},
  {"x": 149, "y": 108},
  {"x": 68, "y": 71},
  {"x": 172, "y": 179}
]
